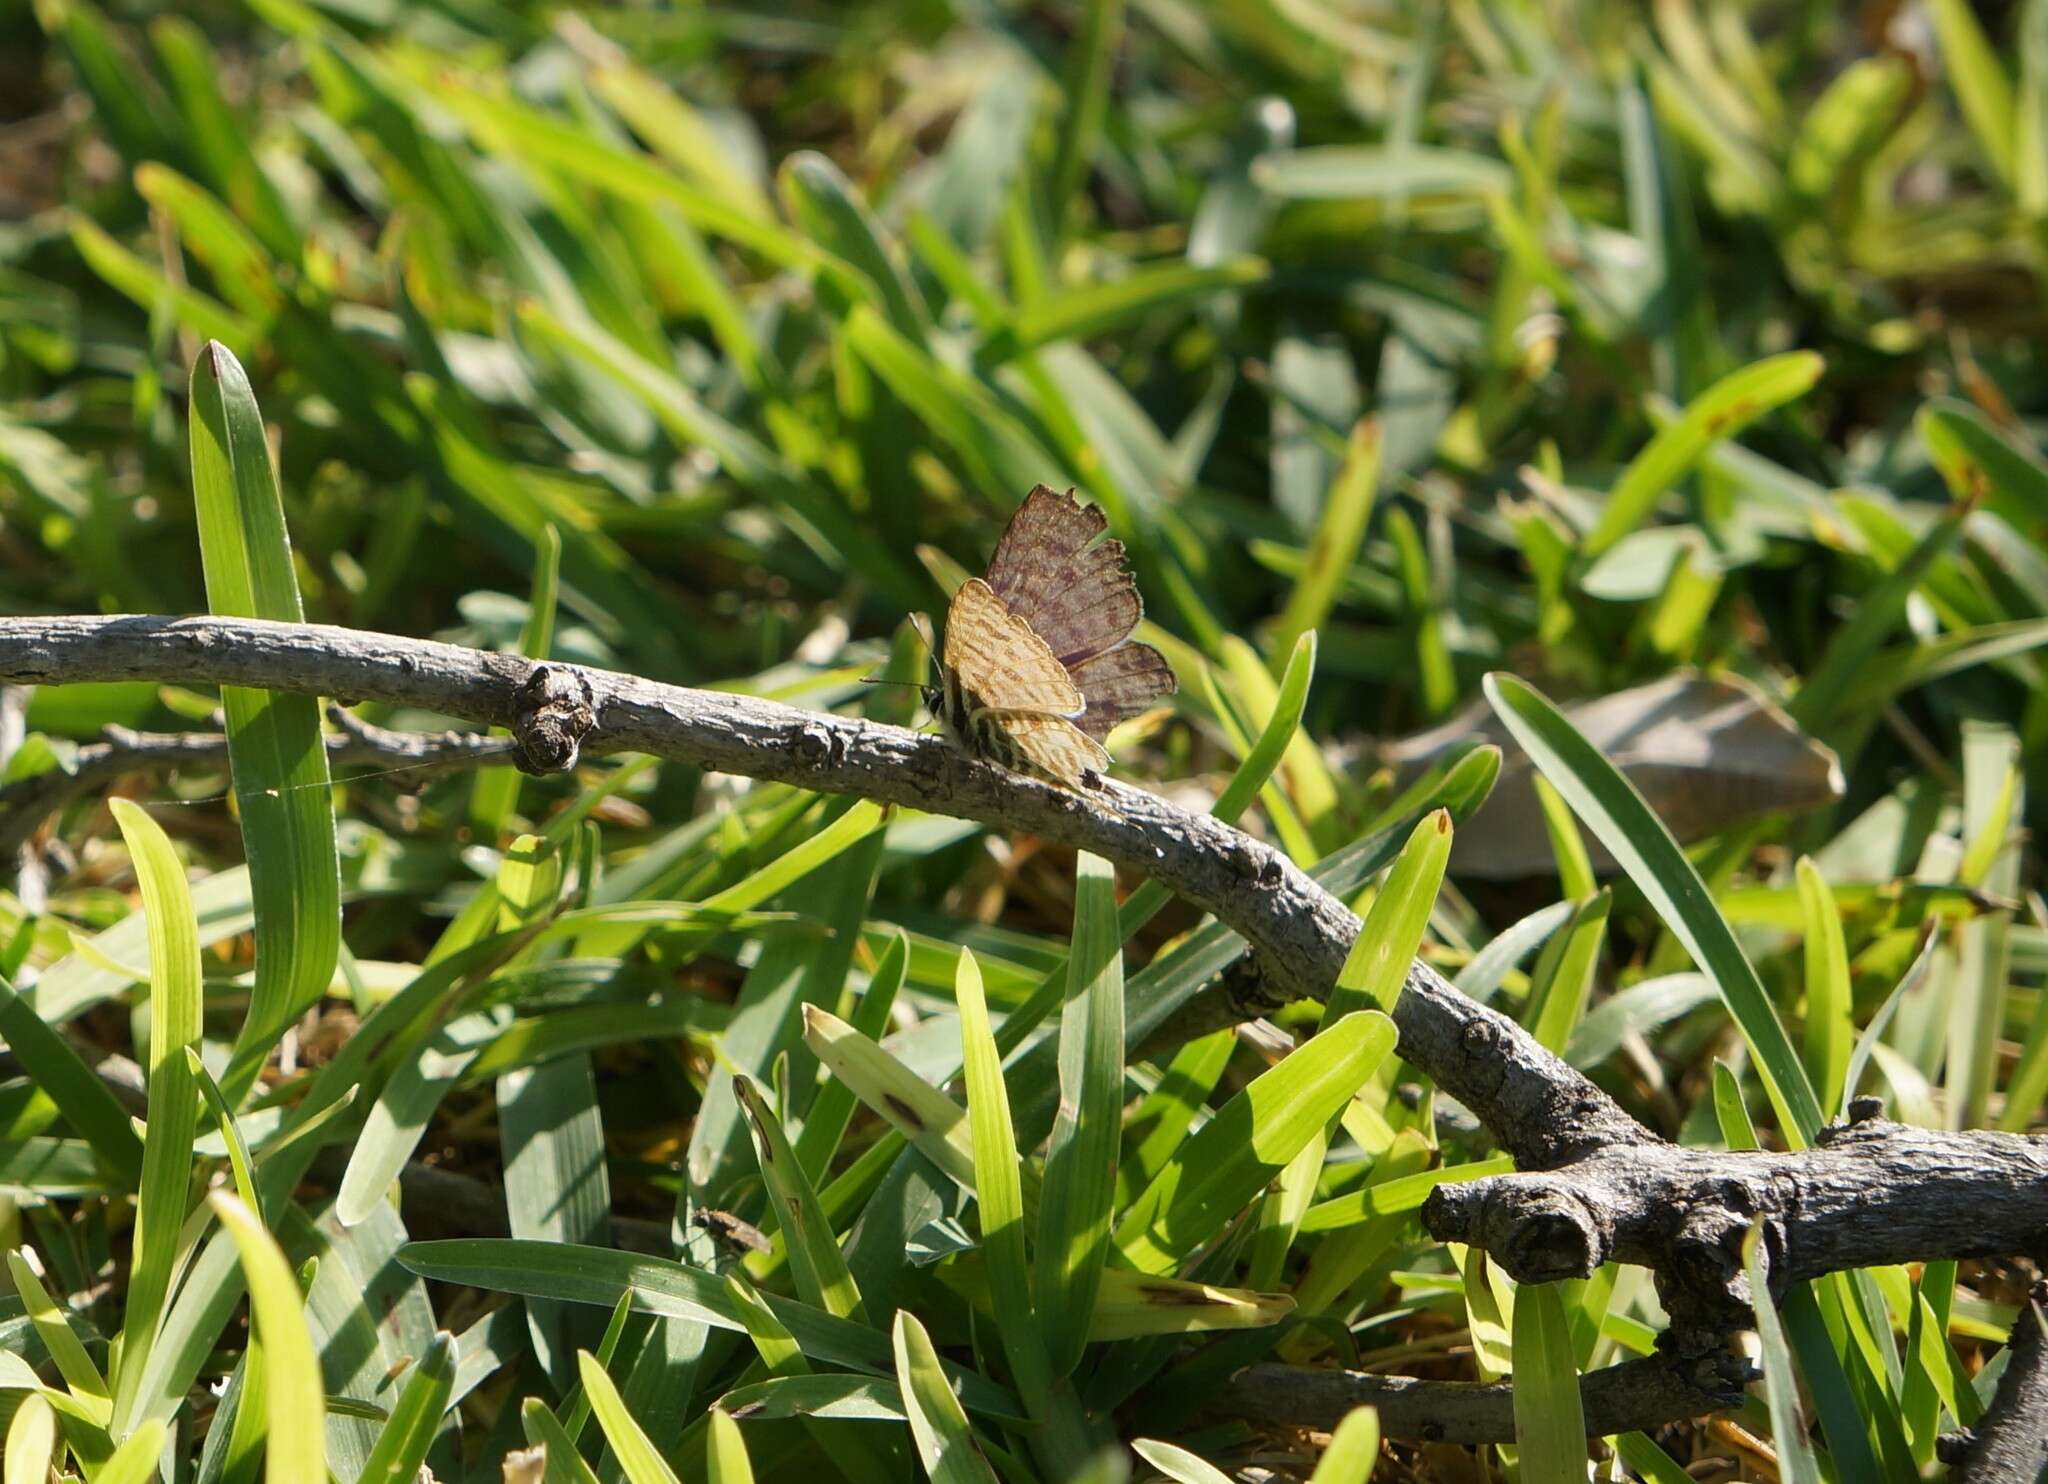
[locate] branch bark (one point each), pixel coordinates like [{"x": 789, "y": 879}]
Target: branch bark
[{"x": 1595, "y": 1183}]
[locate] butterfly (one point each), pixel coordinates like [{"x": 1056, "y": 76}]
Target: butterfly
[{"x": 1038, "y": 662}]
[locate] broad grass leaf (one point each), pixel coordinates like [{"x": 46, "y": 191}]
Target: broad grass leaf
[{"x": 1610, "y": 806}]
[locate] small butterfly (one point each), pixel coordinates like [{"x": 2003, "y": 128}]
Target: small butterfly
[{"x": 1038, "y": 662}]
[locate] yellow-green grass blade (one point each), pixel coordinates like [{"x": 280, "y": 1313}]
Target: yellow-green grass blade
[
  {"x": 945, "y": 1445},
  {"x": 1080, "y": 1164},
  {"x": 295, "y": 1403},
  {"x": 999, "y": 1190},
  {"x": 1249, "y": 1141},
  {"x": 638, "y": 1458},
  {"x": 174, "y": 1010}
]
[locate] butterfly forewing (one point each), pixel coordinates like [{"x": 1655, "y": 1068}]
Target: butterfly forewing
[
  {"x": 1075, "y": 594},
  {"x": 999, "y": 662}
]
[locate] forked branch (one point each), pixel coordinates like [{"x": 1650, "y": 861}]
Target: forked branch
[{"x": 1596, "y": 1183}]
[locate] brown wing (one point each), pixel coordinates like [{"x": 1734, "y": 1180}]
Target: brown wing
[
  {"x": 1052, "y": 573},
  {"x": 1120, "y": 684},
  {"x": 1000, "y": 662},
  {"x": 1051, "y": 744}
]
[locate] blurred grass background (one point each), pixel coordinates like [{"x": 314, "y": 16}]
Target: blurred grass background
[{"x": 707, "y": 342}]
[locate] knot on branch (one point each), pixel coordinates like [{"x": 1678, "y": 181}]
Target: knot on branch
[
  {"x": 1248, "y": 991},
  {"x": 552, "y": 713},
  {"x": 1537, "y": 1230},
  {"x": 816, "y": 744},
  {"x": 1705, "y": 1254}
]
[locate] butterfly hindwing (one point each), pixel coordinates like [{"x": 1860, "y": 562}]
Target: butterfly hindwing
[
  {"x": 1121, "y": 683},
  {"x": 1035, "y": 742}
]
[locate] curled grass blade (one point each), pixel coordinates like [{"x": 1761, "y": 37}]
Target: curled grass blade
[{"x": 275, "y": 745}]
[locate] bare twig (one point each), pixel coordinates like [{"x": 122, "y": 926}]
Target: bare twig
[
  {"x": 2009, "y": 1444},
  {"x": 1596, "y": 1183},
  {"x": 25, "y": 804},
  {"x": 1624, "y": 1398}
]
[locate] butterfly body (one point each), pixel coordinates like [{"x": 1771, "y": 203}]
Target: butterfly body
[{"x": 1038, "y": 663}]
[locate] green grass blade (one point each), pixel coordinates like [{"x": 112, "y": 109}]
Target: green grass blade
[
  {"x": 146, "y": 284},
  {"x": 230, "y": 1132},
  {"x": 1090, "y": 66},
  {"x": 1980, "y": 83},
  {"x": 1846, "y": 661},
  {"x": 996, "y": 448},
  {"x": 295, "y": 1403},
  {"x": 825, "y": 1125},
  {"x": 1249, "y": 1141},
  {"x": 1353, "y": 1449},
  {"x": 239, "y": 265},
  {"x": 828, "y": 207},
  {"x": 818, "y": 1265},
  {"x": 1720, "y": 412},
  {"x": 1608, "y": 804},
  {"x": 174, "y": 1006},
  {"x": 83, "y": 1100},
  {"x": 31, "y": 1440},
  {"x": 220, "y": 140},
  {"x": 1098, "y": 309},
  {"x": 999, "y": 1189},
  {"x": 1565, "y": 983},
  {"x": 564, "y": 1464},
  {"x": 1830, "y": 1029},
  {"x": 1178, "y": 1463},
  {"x": 726, "y": 1460},
  {"x": 136, "y": 1460},
  {"x": 409, "y": 1431},
  {"x": 945, "y": 1445},
  {"x": 1550, "y": 1425},
  {"x": 596, "y": 1275},
  {"x": 1796, "y": 1463},
  {"x": 1337, "y": 172},
  {"x": 53, "y": 1327},
  {"x": 1391, "y": 935},
  {"x": 1080, "y": 1163},
  {"x": 274, "y": 741},
  {"x": 1340, "y": 531},
  {"x": 638, "y": 1458}
]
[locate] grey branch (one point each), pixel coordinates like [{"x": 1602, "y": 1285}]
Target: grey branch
[{"x": 1595, "y": 1180}]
